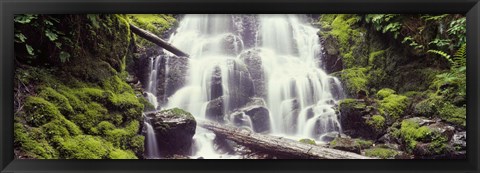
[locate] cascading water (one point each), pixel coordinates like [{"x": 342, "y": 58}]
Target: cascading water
[
  {"x": 286, "y": 76},
  {"x": 151, "y": 146}
]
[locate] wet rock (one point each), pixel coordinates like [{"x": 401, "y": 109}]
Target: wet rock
[
  {"x": 345, "y": 144},
  {"x": 330, "y": 136},
  {"x": 215, "y": 110},
  {"x": 216, "y": 89},
  {"x": 254, "y": 65},
  {"x": 174, "y": 130},
  {"x": 331, "y": 62},
  {"x": 459, "y": 140},
  {"x": 290, "y": 115},
  {"x": 240, "y": 84},
  {"x": 258, "y": 115},
  {"x": 177, "y": 72}
]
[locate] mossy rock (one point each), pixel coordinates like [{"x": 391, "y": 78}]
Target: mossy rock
[
  {"x": 355, "y": 80},
  {"x": 385, "y": 92},
  {"x": 423, "y": 140},
  {"x": 393, "y": 106},
  {"x": 379, "y": 152}
]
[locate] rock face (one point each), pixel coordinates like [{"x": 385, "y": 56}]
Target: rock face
[
  {"x": 355, "y": 118},
  {"x": 174, "y": 129}
]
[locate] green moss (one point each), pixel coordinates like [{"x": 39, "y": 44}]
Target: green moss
[
  {"x": 385, "y": 92},
  {"x": 364, "y": 143},
  {"x": 61, "y": 127},
  {"x": 307, "y": 141},
  {"x": 121, "y": 154},
  {"x": 155, "y": 23},
  {"x": 179, "y": 112},
  {"x": 85, "y": 147},
  {"x": 137, "y": 144},
  {"x": 453, "y": 114},
  {"x": 411, "y": 132},
  {"x": 58, "y": 99},
  {"x": 32, "y": 143},
  {"x": 355, "y": 80},
  {"x": 376, "y": 121},
  {"x": 121, "y": 137},
  {"x": 393, "y": 106},
  {"x": 39, "y": 111},
  {"x": 91, "y": 117},
  {"x": 147, "y": 106},
  {"x": 375, "y": 57},
  {"x": 383, "y": 153}
]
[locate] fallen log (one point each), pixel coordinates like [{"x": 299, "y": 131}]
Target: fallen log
[
  {"x": 157, "y": 40},
  {"x": 287, "y": 148}
]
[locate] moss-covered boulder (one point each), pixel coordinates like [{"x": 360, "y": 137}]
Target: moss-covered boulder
[
  {"x": 174, "y": 130},
  {"x": 350, "y": 144},
  {"x": 359, "y": 119},
  {"x": 425, "y": 138},
  {"x": 381, "y": 152}
]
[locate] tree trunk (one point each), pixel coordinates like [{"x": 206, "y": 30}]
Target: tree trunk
[
  {"x": 277, "y": 145},
  {"x": 157, "y": 40}
]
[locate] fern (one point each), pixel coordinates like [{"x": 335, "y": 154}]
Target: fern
[
  {"x": 460, "y": 57},
  {"x": 442, "y": 54}
]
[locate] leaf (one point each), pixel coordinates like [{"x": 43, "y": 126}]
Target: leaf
[
  {"x": 64, "y": 56},
  {"x": 51, "y": 36},
  {"x": 24, "y": 18},
  {"x": 93, "y": 19},
  {"x": 29, "y": 49},
  {"x": 58, "y": 44},
  {"x": 20, "y": 38}
]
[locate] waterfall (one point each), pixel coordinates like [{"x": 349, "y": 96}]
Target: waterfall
[
  {"x": 151, "y": 147},
  {"x": 285, "y": 75}
]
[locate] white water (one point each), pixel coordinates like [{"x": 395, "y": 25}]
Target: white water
[
  {"x": 297, "y": 89},
  {"x": 151, "y": 91}
]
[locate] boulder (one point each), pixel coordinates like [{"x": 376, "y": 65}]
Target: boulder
[
  {"x": 345, "y": 144},
  {"x": 240, "y": 84},
  {"x": 177, "y": 72},
  {"x": 253, "y": 60},
  {"x": 215, "y": 110},
  {"x": 356, "y": 119},
  {"x": 216, "y": 88},
  {"x": 258, "y": 114},
  {"x": 174, "y": 130}
]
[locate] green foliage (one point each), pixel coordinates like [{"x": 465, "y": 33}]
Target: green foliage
[
  {"x": 155, "y": 23},
  {"x": 385, "y": 92},
  {"x": 386, "y": 23},
  {"x": 457, "y": 28},
  {"x": 412, "y": 43},
  {"x": 383, "y": 153},
  {"x": 121, "y": 154},
  {"x": 122, "y": 137},
  {"x": 137, "y": 144},
  {"x": 393, "y": 106},
  {"x": 24, "y": 18},
  {"x": 307, "y": 141}
]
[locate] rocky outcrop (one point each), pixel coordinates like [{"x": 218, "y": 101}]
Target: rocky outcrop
[
  {"x": 331, "y": 59},
  {"x": 240, "y": 83},
  {"x": 177, "y": 72},
  {"x": 174, "y": 129}
]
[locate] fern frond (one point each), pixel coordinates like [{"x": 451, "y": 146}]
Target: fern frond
[{"x": 442, "y": 54}]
